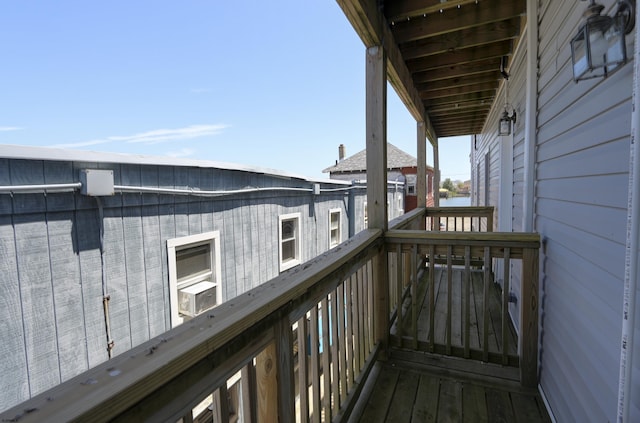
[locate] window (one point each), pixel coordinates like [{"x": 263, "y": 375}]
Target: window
[
  {"x": 194, "y": 275},
  {"x": 335, "y": 227},
  {"x": 290, "y": 242}
]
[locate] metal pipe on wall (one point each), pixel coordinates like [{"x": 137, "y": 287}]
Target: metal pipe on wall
[{"x": 632, "y": 246}]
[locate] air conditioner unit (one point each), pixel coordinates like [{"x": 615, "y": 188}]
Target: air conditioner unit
[{"x": 196, "y": 298}]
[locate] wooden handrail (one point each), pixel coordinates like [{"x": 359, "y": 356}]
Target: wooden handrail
[{"x": 467, "y": 249}]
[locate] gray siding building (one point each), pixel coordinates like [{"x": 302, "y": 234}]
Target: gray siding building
[{"x": 101, "y": 252}]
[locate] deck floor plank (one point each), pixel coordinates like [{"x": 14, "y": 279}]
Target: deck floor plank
[
  {"x": 426, "y": 402},
  {"x": 450, "y": 403},
  {"x": 407, "y": 392},
  {"x": 474, "y": 404},
  {"x": 380, "y": 399},
  {"x": 499, "y": 406}
]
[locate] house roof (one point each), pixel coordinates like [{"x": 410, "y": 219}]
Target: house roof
[
  {"x": 63, "y": 154},
  {"x": 396, "y": 159}
]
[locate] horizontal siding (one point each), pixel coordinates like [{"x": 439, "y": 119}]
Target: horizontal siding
[{"x": 580, "y": 211}]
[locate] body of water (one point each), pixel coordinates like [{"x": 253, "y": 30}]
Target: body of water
[{"x": 455, "y": 202}]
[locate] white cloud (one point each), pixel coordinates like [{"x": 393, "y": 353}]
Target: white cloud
[
  {"x": 156, "y": 136},
  {"x": 183, "y": 152},
  {"x": 9, "y": 128}
]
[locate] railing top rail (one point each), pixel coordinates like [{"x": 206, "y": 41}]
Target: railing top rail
[
  {"x": 104, "y": 392},
  {"x": 460, "y": 211},
  {"x": 490, "y": 239},
  {"x": 407, "y": 219}
]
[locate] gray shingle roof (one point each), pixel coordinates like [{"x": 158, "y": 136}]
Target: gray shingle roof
[{"x": 396, "y": 159}]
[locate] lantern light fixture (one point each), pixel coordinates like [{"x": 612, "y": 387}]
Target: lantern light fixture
[
  {"x": 599, "y": 47},
  {"x": 506, "y": 120}
]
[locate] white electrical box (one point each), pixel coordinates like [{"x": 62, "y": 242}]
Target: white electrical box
[
  {"x": 196, "y": 298},
  {"x": 96, "y": 182}
]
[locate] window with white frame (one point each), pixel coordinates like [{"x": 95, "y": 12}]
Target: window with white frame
[
  {"x": 194, "y": 275},
  {"x": 335, "y": 227},
  {"x": 289, "y": 234}
]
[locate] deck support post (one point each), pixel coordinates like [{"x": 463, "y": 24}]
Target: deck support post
[
  {"x": 528, "y": 339},
  {"x": 436, "y": 178},
  {"x": 376, "y": 135},
  {"x": 421, "y": 180}
]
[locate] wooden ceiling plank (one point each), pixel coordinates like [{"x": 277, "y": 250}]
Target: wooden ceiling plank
[
  {"x": 457, "y": 70},
  {"x": 427, "y": 95},
  {"x": 486, "y": 96},
  {"x": 471, "y": 37},
  {"x": 486, "y": 11},
  {"x": 461, "y": 81},
  {"x": 468, "y": 55},
  {"x": 398, "y": 10}
]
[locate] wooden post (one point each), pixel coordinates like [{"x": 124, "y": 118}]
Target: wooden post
[
  {"x": 376, "y": 121},
  {"x": 436, "y": 177},
  {"x": 528, "y": 345},
  {"x": 421, "y": 180}
]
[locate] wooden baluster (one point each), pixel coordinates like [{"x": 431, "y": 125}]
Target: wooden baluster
[
  {"x": 372, "y": 311},
  {"x": 467, "y": 299},
  {"x": 284, "y": 371},
  {"x": 349, "y": 347},
  {"x": 342, "y": 348},
  {"x": 356, "y": 323},
  {"x": 315, "y": 365},
  {"x": 303, "y": 382},
  {"x": 505, "y": 306},
  {"x": 449, "y": 295},
  {"x": 221, "y": 404},
  {"x": 414, "y": 294},
  {"x": 248, "y": 386},
  {"x": 485, "y": 304},
  {"x": 335, "y": 345},
  {"x": 432, "y": 308},
  {"x": 399, "y": 283},
  {"x": 326, "y": 360}
]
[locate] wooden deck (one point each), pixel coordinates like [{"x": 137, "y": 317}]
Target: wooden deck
[
  {"x": 412, "y": 387},
  {"x": 460, "y": 332},
  {"x": 439, "y": 379}
]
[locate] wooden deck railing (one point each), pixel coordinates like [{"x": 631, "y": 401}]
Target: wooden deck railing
[
  {"x": 460, "y": 219},
  {"x": 296, "y": 348},
  {"x": 455, "y": 315}
]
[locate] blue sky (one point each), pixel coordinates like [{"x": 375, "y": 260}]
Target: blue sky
[{"x": 275, "y": 84}]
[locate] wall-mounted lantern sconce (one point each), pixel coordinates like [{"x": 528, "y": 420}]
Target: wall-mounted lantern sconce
[
  {"x": 599, "y": 47},
  {"x": 505, "y": 122}
]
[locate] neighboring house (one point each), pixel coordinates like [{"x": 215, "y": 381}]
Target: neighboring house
[
  {"x": 141, "y": 243},
  {"x": 401, "y": 167}
]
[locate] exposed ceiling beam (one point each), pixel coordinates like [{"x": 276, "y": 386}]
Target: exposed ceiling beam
[
  {"x": 396, "y": 10},
  {"x": 428, "y": 95},
  {"x": 467, "y": 55},
  {"x": 471, "y": 37},
  {"x": 458, "y": 70},
  {"x": 456, "y": 99},
  {"x": 492, "y": 76},
  {"x": 463, "y": 105},
  {"x": 484, "y": 12}
]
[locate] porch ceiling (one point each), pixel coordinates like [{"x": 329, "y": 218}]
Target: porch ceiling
[{"x": 444, "y": 56}]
